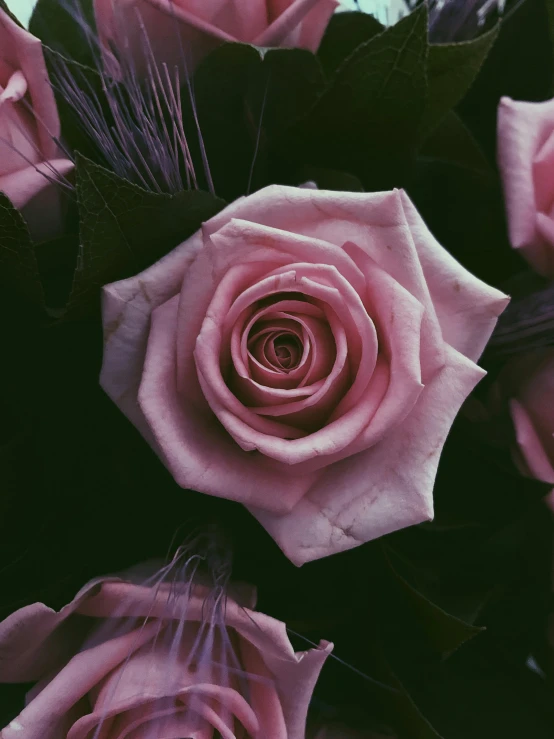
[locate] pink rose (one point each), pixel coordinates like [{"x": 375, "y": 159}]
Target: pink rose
[
  {"x": 528, "y": 381},
  {"x": 174, "y": 29},
  {"x": 305, "y": 353},
  {"x": 126, "y": 660},
  {"x": 29, "y": 157},
  {"x": 526, "y": 159}
]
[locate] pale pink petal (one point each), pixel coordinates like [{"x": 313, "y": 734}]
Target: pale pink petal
[
  {"x": 314, "y": 26},
  {"x": 22, "y": 52},
  {"x": 197, "y": 450},
  {"x": 32, "y": 191},
  {"x": 282, "y": 30},
  {"x": 264, "y": 696},
  {"x": 15, "y": 88},
  {"x": 386, "y": 488},
  {"x": 41, "y": 717},
  {"x": 530, "y": 444},
  {"x": 523, "y": 129},
  {"x": 467, "y": 308}
]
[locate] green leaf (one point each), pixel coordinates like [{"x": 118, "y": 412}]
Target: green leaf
[
  {"x": 452, "y": 69},
  {"x": 454, "y": 143},
  {"x": 68, "y": 28},
  {"x": 345, "y": 32},
  {"x": 124, "y": 229},
  {"x": 444, "y": 631},
  {"x": 401, "y": 707},
  {"x": 477, "y": 694},
  {"x": 367, "y": 122},
  {"x": 245, "y": 96},
  {"x": 18, "y": 265}
]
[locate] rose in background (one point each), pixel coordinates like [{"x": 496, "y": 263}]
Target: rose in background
[
  {"x": 30, "y": 159},
  {"x": 158, "y": 662},
  {"x": 527, "y": 383},
  {"x": 526, "y": 160},
  {"x": 182, "y": 32},
  {"x": 305, "y": 354}
]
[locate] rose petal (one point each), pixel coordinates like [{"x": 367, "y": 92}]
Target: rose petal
[
  {"x": 530, "y": 444},
  {"x": 383, "y": 489},
  {"x": 32, "y": 191},
  {"x": 197, "y": 450},
  {"x": 466, "y": 307},
  {"x": 290, "y": 19},
  {"x": 22, "y": 52},
  {"x": 523, "y": 129}
]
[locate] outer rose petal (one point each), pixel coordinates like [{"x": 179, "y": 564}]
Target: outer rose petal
[
  {"x": 182, "y": 32},
  {"x": 536, "y": 460},
  {"x": 383, "y": 489},
  {"x": 302, "y": 24},
  {"x": 466, "y": 307},
  {"x": 38, "y": 198},
  {"x": 197, "y": 450},
  {"x": 34, "y": 641},
  {"x": 523, "y": 129},
  {"x": 19, "y": 50}
]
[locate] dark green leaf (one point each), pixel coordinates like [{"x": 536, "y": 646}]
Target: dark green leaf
[
  {"x": 245, "y": 96},
  {"x": 68, "y": 28},
  {"x": 444, "y": 631},
  {"x": 367, "y": 122},
  {"x": 56, "y": 263},
  {"x": 124, "y": 228},
  {"x": 453, "y": 142},
  {"x": 476, "y": 694},
  {"x": 18, "y": 265},
  {"x": 401, "y": 707},
  {"x": 345, "y": 32},
  {"x": 452, "y": 68},
  {"x": 550, "y": 14}
]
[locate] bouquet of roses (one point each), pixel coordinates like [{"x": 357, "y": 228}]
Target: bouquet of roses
[{"x": 278, "y": 370}]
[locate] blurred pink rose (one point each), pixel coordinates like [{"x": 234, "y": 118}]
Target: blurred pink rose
[
  {"x": 528, "y": 381},
  {"x": 305, "y": 353},
  {"x": 126, "y": 660},
  {"x": 29, "y": 157},
  {"x": 182, "y": 32},
  {"x": 526, "y": 159}
]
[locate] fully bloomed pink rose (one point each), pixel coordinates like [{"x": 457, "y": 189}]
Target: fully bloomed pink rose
[
  {"x": 182, "y": 32},
  {"x": 528, "y": 382},
  {"x": 30, "y": 159},
  {"x": 305, "y": 353},
  {"x": 126, "y": 660},
  {"x": 526, "y": 159}
]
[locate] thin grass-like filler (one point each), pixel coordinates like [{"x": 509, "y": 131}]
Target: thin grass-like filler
[
  {"x": 134, "y": 119},
  {"x": 202, "y": 647}
]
